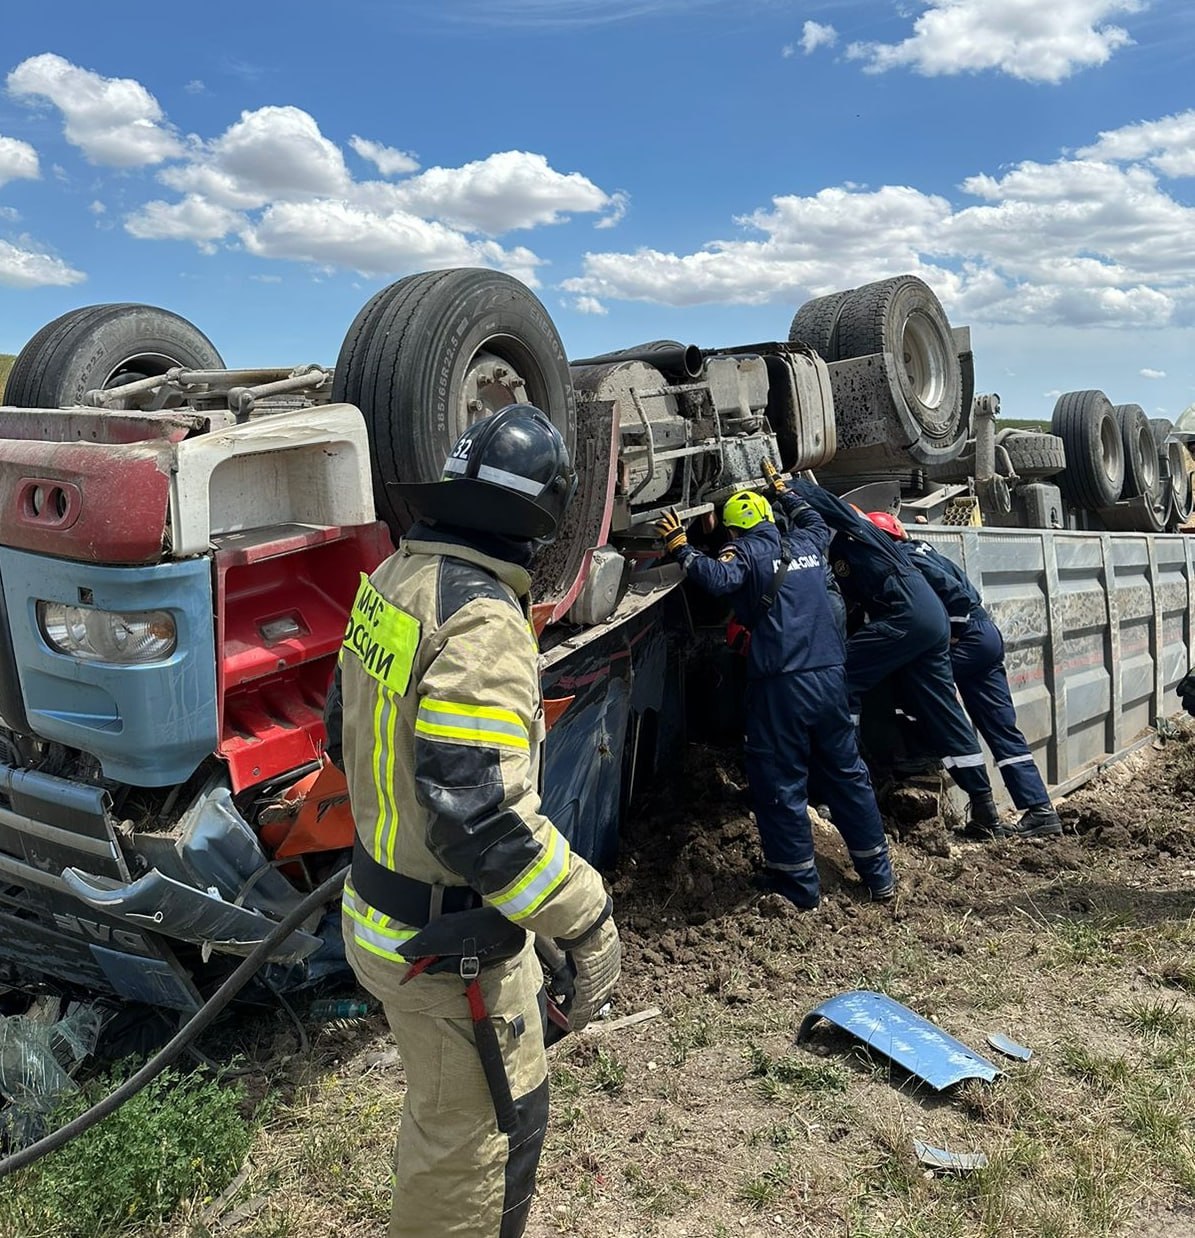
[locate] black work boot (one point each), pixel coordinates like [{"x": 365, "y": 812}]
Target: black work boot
[
  {"x": 884, "y": 893},
  {"x": 983, "y": 818},
  {"x": 1040, "y": 821}
]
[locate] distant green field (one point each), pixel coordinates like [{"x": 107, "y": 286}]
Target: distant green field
[
  {"x": 1022, "y": 423},
  {"x": 6, "y": 360}
]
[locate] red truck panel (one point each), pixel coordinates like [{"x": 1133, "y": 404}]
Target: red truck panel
[
  {"x": 282, "y": 597},
  {"x": 101, "y": 503}
]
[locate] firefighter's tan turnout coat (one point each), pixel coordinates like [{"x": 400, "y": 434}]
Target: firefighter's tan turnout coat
[{"x": 442, "y": 736}]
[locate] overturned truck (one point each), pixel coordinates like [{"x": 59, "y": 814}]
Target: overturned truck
[{"x": 180, "y": 544}]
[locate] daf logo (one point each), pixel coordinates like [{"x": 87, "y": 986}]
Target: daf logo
[{"x": 96, "y": 931}]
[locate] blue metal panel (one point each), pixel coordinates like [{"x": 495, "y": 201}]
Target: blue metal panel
[
  {"x": 899, "y": 1033},
  {"x": 150, "y": 725}
]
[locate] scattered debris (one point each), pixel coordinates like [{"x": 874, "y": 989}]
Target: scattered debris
[
  {"x": 38, "y": 1053},
  {"x": 904, "y": 1036},
  {"x": 627, "y": 1020},
  {"x": 1009, "y": 1047},
  {"x": 952, "y": 1162}
]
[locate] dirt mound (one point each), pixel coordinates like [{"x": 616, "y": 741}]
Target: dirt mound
[{"x": 693, "y": 924}]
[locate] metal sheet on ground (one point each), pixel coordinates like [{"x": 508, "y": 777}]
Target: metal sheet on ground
[{"x": 902, "y": 1035}]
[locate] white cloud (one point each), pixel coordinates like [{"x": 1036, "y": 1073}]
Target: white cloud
[
  {"x": 1167, "y": 144},
  {"x": 269, "y": 154},
  {"x": 815, "y": 35},
  {"x": 30, "y": 268},
  {"x": 18, "y": 161},
  {"x": 387, "y": 160},
  {"x": 508, "y": 190},
  {"x": 193, "y": 219},
  {"x": 114, "y": 121},
  {"x": 1082, "y": 241},
  {"x": 195, "y": 86},
  {"x": 1035, "y": 40},
  {"x": 1146, "y": 372},
  {"x": 97, "y": 208},
  {"x": 589, "y": 305},
  {"x": 340, "y": 234}
]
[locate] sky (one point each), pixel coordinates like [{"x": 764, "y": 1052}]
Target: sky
[{"x": 689, "y": 169}]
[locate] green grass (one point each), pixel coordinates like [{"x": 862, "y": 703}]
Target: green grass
[
  {"x": 6, "y": 360},
  {"x": 181, "y": 1138}
]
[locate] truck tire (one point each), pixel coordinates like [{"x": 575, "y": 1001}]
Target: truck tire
[
  {"x": 1140, "y": 451},
  {"x": 416, "y": 351},
  {"x": 1032, "y": 455},
  {"x": 101, "y": 346},
  {"x": 1090, "y": 434},
  {"x": 815, "y": 324},
  {"x": 902, "y": 316}
]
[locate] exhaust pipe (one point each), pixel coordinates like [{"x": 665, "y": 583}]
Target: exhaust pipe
[{"x": 670, "y": 357}]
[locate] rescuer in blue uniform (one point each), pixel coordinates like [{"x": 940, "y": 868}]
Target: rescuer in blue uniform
[
  {"x": 797, "y": 712},
  {"x": 905, "y": 635},
  {"x": 977, "y": 656}
]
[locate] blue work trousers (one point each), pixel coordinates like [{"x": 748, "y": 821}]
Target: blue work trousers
[
  {"x": 978, "y": 661},
  {"x": 915, "y": 647},
  {"x": 796, "y": 721}
]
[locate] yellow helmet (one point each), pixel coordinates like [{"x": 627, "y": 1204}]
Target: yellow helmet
[{"x": 745, "y": 509}]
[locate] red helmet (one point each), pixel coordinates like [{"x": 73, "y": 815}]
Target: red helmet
[{"x": 890, "y": 525}]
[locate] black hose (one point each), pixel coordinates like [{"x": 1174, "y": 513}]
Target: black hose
[{"x": 201, "y": 1019}]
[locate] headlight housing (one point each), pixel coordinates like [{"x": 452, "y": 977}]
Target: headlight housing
[{"x": 122, "y": 637}]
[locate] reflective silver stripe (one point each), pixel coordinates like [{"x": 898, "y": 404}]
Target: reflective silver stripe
[
  {"x": 967, "y": 759},
  {"x": 390, "y": 942},
  {"x": 527, "y": 898},
  {"x": 1015, "y": 760},
  {"x": 455, "y": 465},
  {"x": 855, "y": 719},
  {"x": 960, "y": 618},
  {"x": 793, "y": 868},
  {"x": 471, "y": 722},
  {"x": 867, "y": 855},
  {"x": 512, "y": 481}
]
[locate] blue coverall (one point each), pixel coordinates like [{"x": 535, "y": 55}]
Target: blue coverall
[
  {"x": 906, "y": 635},
  {"x": 977, "y": 655},
  {"x": 796, "y": 702}
]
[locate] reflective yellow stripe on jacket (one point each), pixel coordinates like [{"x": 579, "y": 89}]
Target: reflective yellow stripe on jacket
[
  {"x": 372, "y": 930},
  {"x": 524, "y": 897},
  {"x": 483, "y": 724}
]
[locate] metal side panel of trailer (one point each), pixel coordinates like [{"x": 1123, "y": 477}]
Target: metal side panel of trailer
[{"x": 1098, "y": 632}]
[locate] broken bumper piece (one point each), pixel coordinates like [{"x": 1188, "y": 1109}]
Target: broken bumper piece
[
  {"x": 902, "y": 1035},
  {"x": 179, "y": 911}
]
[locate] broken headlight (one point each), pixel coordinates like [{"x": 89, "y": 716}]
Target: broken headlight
[{"x": 107, "y": 635}]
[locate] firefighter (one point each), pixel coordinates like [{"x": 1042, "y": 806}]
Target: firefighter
[
  {"x": 797, "y": 715},
  {"x": 977, "y": 656},
  {"x": 905, "y": 634},
  {"x": 454, "y": 865}
]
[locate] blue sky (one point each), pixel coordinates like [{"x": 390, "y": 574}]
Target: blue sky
[{"x": 685, "y": 168}]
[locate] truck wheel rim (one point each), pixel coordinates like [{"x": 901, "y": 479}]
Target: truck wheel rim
[
  {"x": 501, "y": 371},
  {"x": 140, "y": 365},
  {"x": 1148, "y": 452},
  {"x": 925, "y": 362},
  {"x": 1110, "y": 448}
]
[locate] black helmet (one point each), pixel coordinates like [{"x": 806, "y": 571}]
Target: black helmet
[{"x": 507, "y": 474}]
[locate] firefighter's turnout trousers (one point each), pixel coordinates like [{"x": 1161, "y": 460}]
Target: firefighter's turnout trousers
[
  {"x": 455, "y": 1172},
  {"x": 442, "y": 734}
]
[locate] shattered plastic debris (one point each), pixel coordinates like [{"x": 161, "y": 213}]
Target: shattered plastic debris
[
  {"x": 904, "y": 1036},
  {"x": 1009, "y": 1047},
  {"x": 36, "y": 1059},
  {"x": 954, "y": 1162}
]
